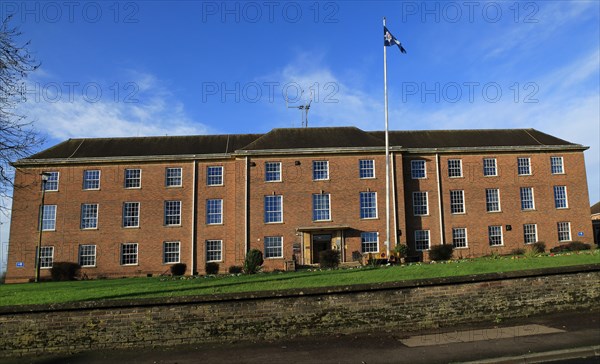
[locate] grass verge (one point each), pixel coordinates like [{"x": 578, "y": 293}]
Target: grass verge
[{"x": 129, "y": 288}]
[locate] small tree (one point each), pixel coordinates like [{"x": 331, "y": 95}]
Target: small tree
[
  {"x": 18, "y": 138},
  {"x": 401, "y": 250},
  {"x": 253, "y": 262}
]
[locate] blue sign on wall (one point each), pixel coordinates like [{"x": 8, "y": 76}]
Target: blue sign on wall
[
  {"x": 20, "y": 264},
  {"x": 580, "y": 233}
]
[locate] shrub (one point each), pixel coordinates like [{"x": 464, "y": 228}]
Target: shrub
[
  {"x": 253, "y": 261},
  {"x": 235, "y": 269},
  {"x": 401, "y": 249},
  {"x": 212, "y": 268},
  {"x": 517, "y": 251},
  {"x": 539, "y": 247},
  {"x": 329, "y": 258},
  {"x": 2, "y": 277},
  {"x": 578, "y": 245},
  {"x": 65, "y": 271},
  {"x": 178, "y": 269},
  {"x": 571, "y": 247},
  {"x": 441, "y": 252}
]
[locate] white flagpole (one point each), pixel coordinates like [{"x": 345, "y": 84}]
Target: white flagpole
[{"x": 387, "y": 155}]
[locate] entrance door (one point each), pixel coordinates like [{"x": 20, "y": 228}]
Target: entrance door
[{"x": 320, "y": 242}]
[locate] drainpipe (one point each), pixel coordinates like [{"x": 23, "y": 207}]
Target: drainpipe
[
  {"x": 395, "y": 207},
  {"x": 440, "y": 197},
  {"x": 246, "y": 201},
  {"x": 194, "y": 222}
]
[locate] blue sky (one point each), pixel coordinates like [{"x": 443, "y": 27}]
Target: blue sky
[{"x": 157, "y": 68}]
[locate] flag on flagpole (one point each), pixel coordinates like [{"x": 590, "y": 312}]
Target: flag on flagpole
[{"x": 389, "y": 40}]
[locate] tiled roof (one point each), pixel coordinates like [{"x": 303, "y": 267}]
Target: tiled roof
[
  {"x": 147, "y": 146},
  {"x": 315, "y": 138},
  {"x": 291, "y": 139},
  {"x": 596, "y": 208},
  {"x": 471, "y": 138}
]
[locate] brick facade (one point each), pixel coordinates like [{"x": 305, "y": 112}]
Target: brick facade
[{"x": 244, "y": 189}]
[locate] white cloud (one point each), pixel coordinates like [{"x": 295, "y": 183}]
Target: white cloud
[{"x": 140, "y": 108}]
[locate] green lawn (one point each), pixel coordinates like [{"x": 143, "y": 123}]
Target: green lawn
[{"x": 54, "y": 292}]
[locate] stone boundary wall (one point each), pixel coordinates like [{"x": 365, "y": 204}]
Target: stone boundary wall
[{"x": 401, "y": 306}]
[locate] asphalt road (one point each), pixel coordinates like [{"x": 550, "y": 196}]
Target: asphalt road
[{"x": 569, "y": 338}]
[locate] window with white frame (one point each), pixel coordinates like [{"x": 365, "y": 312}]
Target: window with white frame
[
  {"x": 273, "y": 208},
  {"x": 489, "y": 167},
  {"x": 369, "y": 242},
  {"x": 420, "y": 204},
  {"x": 131, "y": 214},
  {"x": 523, "y": 166},
  {"x": 51, "y": 183},
  {"x": 459, "y": 237},
  {"x": 564, "y": 231},
  {"x": 214, "y": 175},
  {"x": 133, "y": 178},
  {"x": 366, "y": 168},
  {"x": 214, "y": 211},
  {"x": 173, "y": 177},
  {"x": 172, "y": 213},
  {"x": 273, "y": 247},
  {"x": 495, "y": 235},
  {"x": 171, "y": 251},
  {"x": 89, "y": 216},
  {"x": 49, "y": 217},
  {"x": 529, "y": 233},
  {"x": 368, "y": 205},
  {"x": 455, "y": 168},
  {"x": 321, "y": 207},
  {"x": 46, "y": 256},
  {"x": 417, "y": 169},
  {"x": 492, "y": 200},
  {"x": 273, "y": 171},
  {"x": 560, "y": 197},
  {"x": 527, "y": 201},
  {"x": 91, "y": 179},
  {"x": 320, "y": 170},
  {"x": 87, "y": 255},
  {"x": 422, "y": 240},
  {"x": 556, "y": 165},
  {"x": 214, "y": 250},
  {"x": 457, "y": 201},
  {"x": 129, "y": 254}
]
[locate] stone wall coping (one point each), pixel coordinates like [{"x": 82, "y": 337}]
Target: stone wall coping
[{"x": 295, "y": 292}]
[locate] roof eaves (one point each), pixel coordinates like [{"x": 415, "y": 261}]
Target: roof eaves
[
  {"x": 304, "y": 151},
  {"x": 528, "y": 148},
  {"x": 127, "y": 159}
]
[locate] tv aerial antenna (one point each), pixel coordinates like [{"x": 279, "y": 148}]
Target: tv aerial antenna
[{"x": 303, "y": 108}]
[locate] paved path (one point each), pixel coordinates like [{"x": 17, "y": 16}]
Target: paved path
[{"x": 537, "y": 339}]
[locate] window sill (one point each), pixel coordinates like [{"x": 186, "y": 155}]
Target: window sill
[
  {"x": 494, "y": 212},
  {"x": 460, "y": 247},
  {"x": 274, "y": 258},
  {"x": 274, "y": 223}
]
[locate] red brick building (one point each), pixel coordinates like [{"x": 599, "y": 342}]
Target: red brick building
[{"x": 135, "y": 206}]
